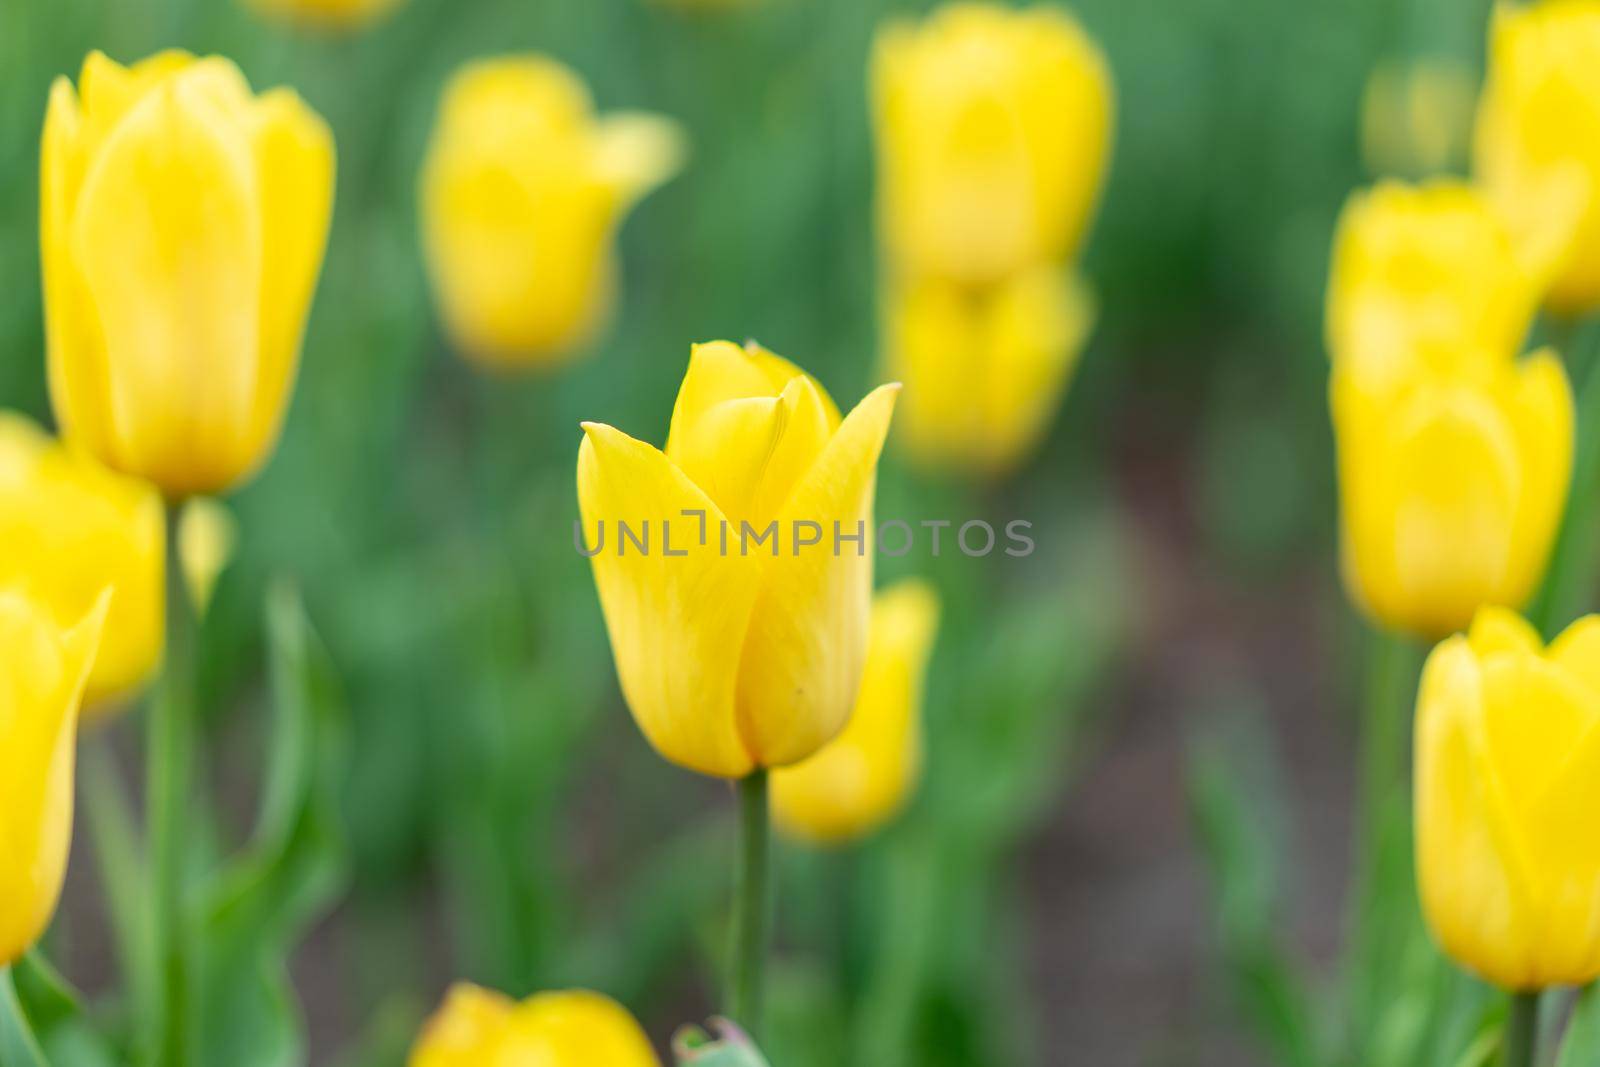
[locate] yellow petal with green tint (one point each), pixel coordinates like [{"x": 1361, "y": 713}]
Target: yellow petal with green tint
[
  {"x": 42, "y": 674},
  {"x": 676, "y": 622},
  {"x": 802, "y": 658},
  {"x": 635, "y": 152}
]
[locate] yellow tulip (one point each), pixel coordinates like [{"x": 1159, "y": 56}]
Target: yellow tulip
[
  {"x": 182, "y": 227},
  {"x": 1416, "y": 117},
  {"x": 327, "y": 14},
  {"x": 70, "y": 529},
  {"x": 862, "y": 778},
  {"x": 522, "y": 191},
  {"x": 207, "y": 537},
  {"x": 43, "y": 668},
  {"x": 1507, "y": 787},
  {"x": 1452, "y": 488},
  {"x": 984, "y": 368},
  {"x": 481, "y": 1028},
  {"x": 1426, "y": 272},
  {"x": 993, "y": 130},
  {"x": 1537, "y": 144},
  {"x": 740, "y": 631}
]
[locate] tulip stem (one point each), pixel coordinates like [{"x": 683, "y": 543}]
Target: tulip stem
[
  {"x": 18, "y": 1046},
  {"x": 752, "y": 902},
  {"x": 1522, "y": 1031},
  {"x": 170, "y": 755}
]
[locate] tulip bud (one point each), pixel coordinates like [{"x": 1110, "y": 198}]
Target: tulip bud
[
  {"x": 478, "y": 1027},
  {"x": 182, "y": 228},
  {"x": 1451, "y": 486},
  {"x": 1537, "y": 143},
  {"x": 1426, "y": 271},
  {"x": 326, "y": 14},
  {"x": 207, "y": 537},
  {"x": 69, "y": 530},
  {"x": 740, "y": 631},
  {"x": 1507, "y": 787},
  {"x": 43, "y": 668},
  {"x": 984, "y": 368},
  {"x": 523, "y": 189},
  {"x": 993, "y": 129},
  {"x": 862, "y": 778}
]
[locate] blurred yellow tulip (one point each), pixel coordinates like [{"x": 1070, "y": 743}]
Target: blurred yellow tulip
[
  {"x": 43, "y": 668},
  {"x": 481, "y": 1028},
  {"x": 993, "y": 129},
  {"x": 1452, "y": 488},
  {"x": 1507, "y": 787},
  {"x": 1416, "y": 116},
  {"x": 740, "y": 630},
  {"x": 1537, "y": 144},
  {"x": 522, "y": 191},
  {"x": 327, "y": 14},
  {"x": 182, "y": 227},
  {"x": 69, "y": 530},
  {"x": 1426, "y": 272},
  {"x": 984, "y": 368},
  {"x": 862, "y": 778},
  {"x": 207, "y": 537}
]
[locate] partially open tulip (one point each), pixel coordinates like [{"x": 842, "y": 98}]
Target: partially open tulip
[
  {"x": 993, "y": 129},
  {"x": 1507, "y": 790},
  {"x": 522, "y": 192},
  {"x": 182, "y": 228},
  {"x": 1537, "y": 145},
  {"x": 43, "y": 667},
  {"x": 862, "y": 778},
  {"x": 984, "y": 368},
  {"x": 1451, "y": 486},
  {"x": 1426, "y": 271},
  {"x": 69, "y": 530},
  {"x": 740, "y": 630},
  {"x": 481, "y": 1028},
  {"x": 326, "y": 14}
]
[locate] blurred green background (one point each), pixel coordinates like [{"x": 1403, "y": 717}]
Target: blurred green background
[{"x": 499, "y": 817}]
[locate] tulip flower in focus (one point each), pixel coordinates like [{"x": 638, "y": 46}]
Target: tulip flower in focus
[
  {"x": 43, "y": 668},
  {"x": 1416, "y": 116},
  {"x": 522, "y": 192},
  {"x": 984, "y": 368},
  {"x": 182, "y": 227},
  {"x": 1537, "y": 144},
  {"x": 993, "y": 130},
  {"x": 860, "y": 779},
  {"x": 1452, "y": 486},
  {"x": 735, "y": 654},
  {"x": 1426, "y": 271},
  {"x": 327, "y": 14},
  {"x": 69, "y": 530},
  {"x": 479, "y": 1028},
  {"x": 1507, "y": 787}
]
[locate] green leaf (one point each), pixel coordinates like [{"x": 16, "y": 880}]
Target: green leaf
[
  {"x": 18, "y": 1046},
  {"x": 1581, "y": 1046},
  {"x": 693, "y": 1047}
]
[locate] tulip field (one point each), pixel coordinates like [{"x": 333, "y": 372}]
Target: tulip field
[{"x": 799, "y": 533}]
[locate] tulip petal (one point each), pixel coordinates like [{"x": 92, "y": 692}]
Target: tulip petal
[
  {"x": 1539, "y": 407},
  {"x": 168, "y": 235},
  {"x": 720, "y": 371},
  {"x": 635, "y": 152},
  {"x": 467, "y": 1030},
  {"x": 1497, "y": 629},
  {"x": 802, "y": 659},
  {"x": 1534, "y": 715},
  {"x": 1577, "y": 651},
  {"x": 1565, "y": 849},
  {"x": 676, "y": 622},
  {"x": 577, "y": 1027}
]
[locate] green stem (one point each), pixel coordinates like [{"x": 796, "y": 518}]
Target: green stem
[
  {"x": 169, "y": 751},
  {"x": 1572, "y": 562},
  {"x": 1522, "y": 1031},
  {"x": 18, "y": 1046},
  {"x": 752, "y": 903},
  {"x": 116, "y": 844}
]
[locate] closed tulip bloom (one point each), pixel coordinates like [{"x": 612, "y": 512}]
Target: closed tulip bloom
[
  {"x": 481, "y": 1028},
  {"x": 1537, "y": 144},
  {"x": 1426, "y": 271},
  {"x": 993, "y": 130},
  {"x": 737, "y": 652},
  {"x": 69, "y": 530},
  {"x": 985, "y": 369},
  {"x": 43, "y": 668},
  {"x": 1507, "y": 787},
  {"x": 863, "y": 777},
  {"x": 1451, "y": 488},
  {"x": 326, "y": 14},
  {"x": 182, "y": 226},
  {"x": 522, "y": 192}
]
